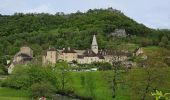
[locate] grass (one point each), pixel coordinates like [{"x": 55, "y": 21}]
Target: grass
[
  {"x": 96, "y": 85},
  {"x": 13, "y": 94}
]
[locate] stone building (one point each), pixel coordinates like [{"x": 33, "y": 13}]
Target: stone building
[
  {"x": 24, "y": 56},
  {"x": 50, "y": 57},
  {"x": 85, "y": 56},
  {"x": 53, "y": 55},
  {"x": 89, "y": 56},
  {"x": 115, "y": 56},
  {"x": 68, "y": 54}
]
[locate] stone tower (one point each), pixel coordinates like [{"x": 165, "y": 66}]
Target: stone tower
[
  {"x": 51, "y": 56},
  {"x": 94, "y": 46}
]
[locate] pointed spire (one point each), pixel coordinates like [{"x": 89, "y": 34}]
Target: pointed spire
[
  {"x": 94, "y": 45},
  {"x": 94, "y": 42}
]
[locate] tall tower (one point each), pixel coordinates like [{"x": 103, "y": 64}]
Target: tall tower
[{"x": 94, "y": 46}]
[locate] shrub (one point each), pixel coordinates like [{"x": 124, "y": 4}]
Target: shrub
[
  {"x": 24, "y": 76},
  {"x": 42, "y": 89},
  {"x": 103, "y": 66}
]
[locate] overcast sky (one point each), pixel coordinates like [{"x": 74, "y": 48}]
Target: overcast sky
[{"x": 152, "y": 13}]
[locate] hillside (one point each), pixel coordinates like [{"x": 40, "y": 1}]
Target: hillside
[
  {"x": 40, "y": 31},
  {"x": 98, "y": 19}
]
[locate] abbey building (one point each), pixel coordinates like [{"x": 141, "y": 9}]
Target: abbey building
[
  {"x": 70, "y": 55},
  {"x": 84, "y": 56}
]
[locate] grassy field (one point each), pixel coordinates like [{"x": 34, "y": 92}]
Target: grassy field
[
  {"x": 12, "y": 94},
  {"x": 96, "y": 85}
]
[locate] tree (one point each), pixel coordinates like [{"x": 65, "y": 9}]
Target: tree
[
  {"x": 62, "y": 69},
  {"x": 42, "y": 89},
  {"x": 164, "y": 41}
]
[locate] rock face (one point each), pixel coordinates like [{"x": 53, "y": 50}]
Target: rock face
[{"x": 119, "y": 33}]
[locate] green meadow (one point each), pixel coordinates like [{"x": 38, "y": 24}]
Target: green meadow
[
  {"x": 13, "y": 94},
  {"x": 130, "y": 85}
]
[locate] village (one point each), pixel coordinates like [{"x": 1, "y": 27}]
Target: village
[{"x": 72, "y": 56}]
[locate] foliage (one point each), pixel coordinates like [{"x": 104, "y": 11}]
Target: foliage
[
  {"x": 158, "y": 95},
  {"x": 42, "y": 89},
  {"x": 103, "y": 65},
  {"x": 63, "y": 76},
  {"x": 143, "y": 81},
  {"x": 24, "y": 76}
]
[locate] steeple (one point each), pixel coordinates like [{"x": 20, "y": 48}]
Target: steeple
[{"x": 94, "y": 45}]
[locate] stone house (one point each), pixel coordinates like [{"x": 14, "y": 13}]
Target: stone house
[
  {"x": 50, "y": 57},
  {"x": 115, "y": 56},
  {"x": 24, "y": 56},
  {"x": 68, "y": 54}
]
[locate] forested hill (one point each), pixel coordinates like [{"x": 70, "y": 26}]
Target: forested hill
[
  {"x": 75, "y": 30},
  {"x": 104, "y": 20}
]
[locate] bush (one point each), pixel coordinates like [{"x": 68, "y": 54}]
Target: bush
[
  {"x": 103, "y": 66},
  {"x": 42, "y": 89},
  {"x": 25, "y": 76}
]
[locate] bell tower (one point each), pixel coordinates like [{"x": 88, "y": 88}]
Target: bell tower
[{"x": 94, "y": 46}]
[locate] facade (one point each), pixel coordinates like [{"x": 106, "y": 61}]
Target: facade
[
  {"x": 50, "y": 57},
  {"x": 68, "y": 54},
  {"x": 89, "y": 56},
  {"x": 24, "y": 56},
  {"x": 115, "y": 56}
]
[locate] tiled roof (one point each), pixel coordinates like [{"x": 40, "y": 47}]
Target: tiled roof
[
  {"x": 113, "y": 53},
  {"x": 25, "y": 58},
  {"x": 90, "y": 53}
]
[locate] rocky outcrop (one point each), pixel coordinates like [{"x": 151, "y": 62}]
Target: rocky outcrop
[{"x": 119, "y": 33}]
